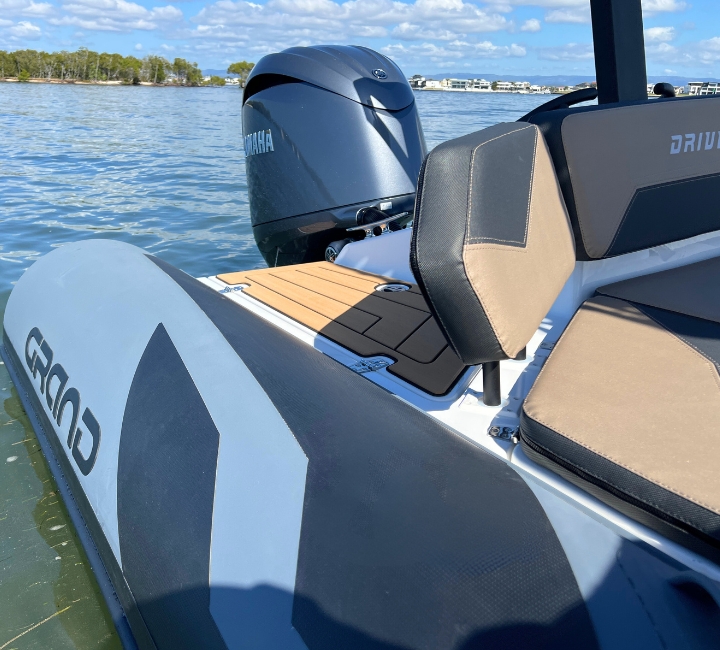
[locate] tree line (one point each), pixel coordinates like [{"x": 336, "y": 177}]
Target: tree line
[{"x": 86, "y": 65}]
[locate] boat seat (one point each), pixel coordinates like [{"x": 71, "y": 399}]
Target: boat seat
[
  {"x": 492, "y": 245},
  {"x": 360, "y": 312},
  {"x": 628, "y": 404},
  {"x": 631, "y": 173}
]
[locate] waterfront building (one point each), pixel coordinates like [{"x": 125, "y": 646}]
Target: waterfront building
[
  {"x": 454, "y": 84},
  {"x": 703, "y": 88},
  {"x": 479, "y": 85},
  {"x": 476, "y": 85}
]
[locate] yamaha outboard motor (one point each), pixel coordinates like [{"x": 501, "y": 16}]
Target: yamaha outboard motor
[{"x": 328, "y": 132}]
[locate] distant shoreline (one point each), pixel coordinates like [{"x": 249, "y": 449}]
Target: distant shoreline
[
  {"x": 73, "y": 82},
  {"x": 488, "y": 92}
]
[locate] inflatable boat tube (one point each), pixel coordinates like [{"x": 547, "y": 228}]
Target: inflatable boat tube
[{"x": 243, "y": 490}]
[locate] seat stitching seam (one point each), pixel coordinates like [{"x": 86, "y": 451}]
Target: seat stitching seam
[
  {"x": 530, "y": 189},
  {"x": 497, "y": 239},
  {"x": 602, "y": 479},
  {"x": 629, "y": 469}
]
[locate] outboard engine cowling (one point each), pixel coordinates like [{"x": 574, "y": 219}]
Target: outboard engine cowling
[{"x": 328, "y": 130}]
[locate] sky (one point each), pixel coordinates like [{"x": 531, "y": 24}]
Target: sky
[{"x": 535, "y": 37}]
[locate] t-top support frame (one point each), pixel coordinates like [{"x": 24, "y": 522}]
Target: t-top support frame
[{"x": 619, "y": 44}]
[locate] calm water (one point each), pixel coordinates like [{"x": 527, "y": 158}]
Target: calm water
[{"x": 159, "y": 168}]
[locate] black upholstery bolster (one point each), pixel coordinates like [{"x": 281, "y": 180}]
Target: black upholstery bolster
[
  {"x": 501, "y": 178},
  {"x": 672, "y": 515}
]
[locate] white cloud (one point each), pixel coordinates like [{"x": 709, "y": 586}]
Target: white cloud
[
  {"x": 666, "y": 53},
  {"x": 438, "y": 28},
  {"x": 703, "y": 53},
  {"x": 580, "y": 15},
  {"x": 709, "y": 50},
  {"x": 409, "y": 32},
  {"x": 10, "y": 8},
  {"x": 452, "y": 52},
  {"x": 116, "y": 15},
  {"x": 453, "y": 32},
  {"x": 26, "y": 31},
  {"x": 569, "y": 52},
  {"x": 549, "y": 4},
  {"x": 659, "y": 34},
  {"x": 532, "y": 25},
  {"x": 578, "y": 11},
  {"x": 649, "y": 6},
  {"x": 370, "y": 31},
  {"x": 295, "y": 22},
  {"x": 660, "y": 6}
]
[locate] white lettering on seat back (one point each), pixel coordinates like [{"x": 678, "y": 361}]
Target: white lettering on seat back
[{"x": 692, "y": 143}]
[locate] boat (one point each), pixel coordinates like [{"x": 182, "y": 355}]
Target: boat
[{"x": 483, "y": 416}]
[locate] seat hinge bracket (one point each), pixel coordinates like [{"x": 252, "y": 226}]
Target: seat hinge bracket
[{"x": 505, "y": 433}]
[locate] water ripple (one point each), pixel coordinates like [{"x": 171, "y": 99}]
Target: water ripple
[{"x": 162, "y": 168}]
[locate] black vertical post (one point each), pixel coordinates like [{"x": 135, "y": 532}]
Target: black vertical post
[
  {"x": 619, "y": 43},
  {"x": 491, "y": 383}
]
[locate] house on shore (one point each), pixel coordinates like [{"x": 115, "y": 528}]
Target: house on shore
[{"x": 703, "y": 88}]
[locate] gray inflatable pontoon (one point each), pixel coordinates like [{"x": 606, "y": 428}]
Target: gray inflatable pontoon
[{"x": 494, "y": 429}]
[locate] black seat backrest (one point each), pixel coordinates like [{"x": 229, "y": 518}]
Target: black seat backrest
[
  {"x": 637, "y": 175},
  {"x": 492, "y": 245}
]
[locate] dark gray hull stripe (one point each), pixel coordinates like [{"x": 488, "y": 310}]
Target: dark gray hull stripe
[
  {"x": 166, "y": 486},
  {"x": 102, "y": 560},
  {"x": 412, "y": 537}
]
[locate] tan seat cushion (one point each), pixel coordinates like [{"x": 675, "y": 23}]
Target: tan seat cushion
[{"x": 629, "y": 402}]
